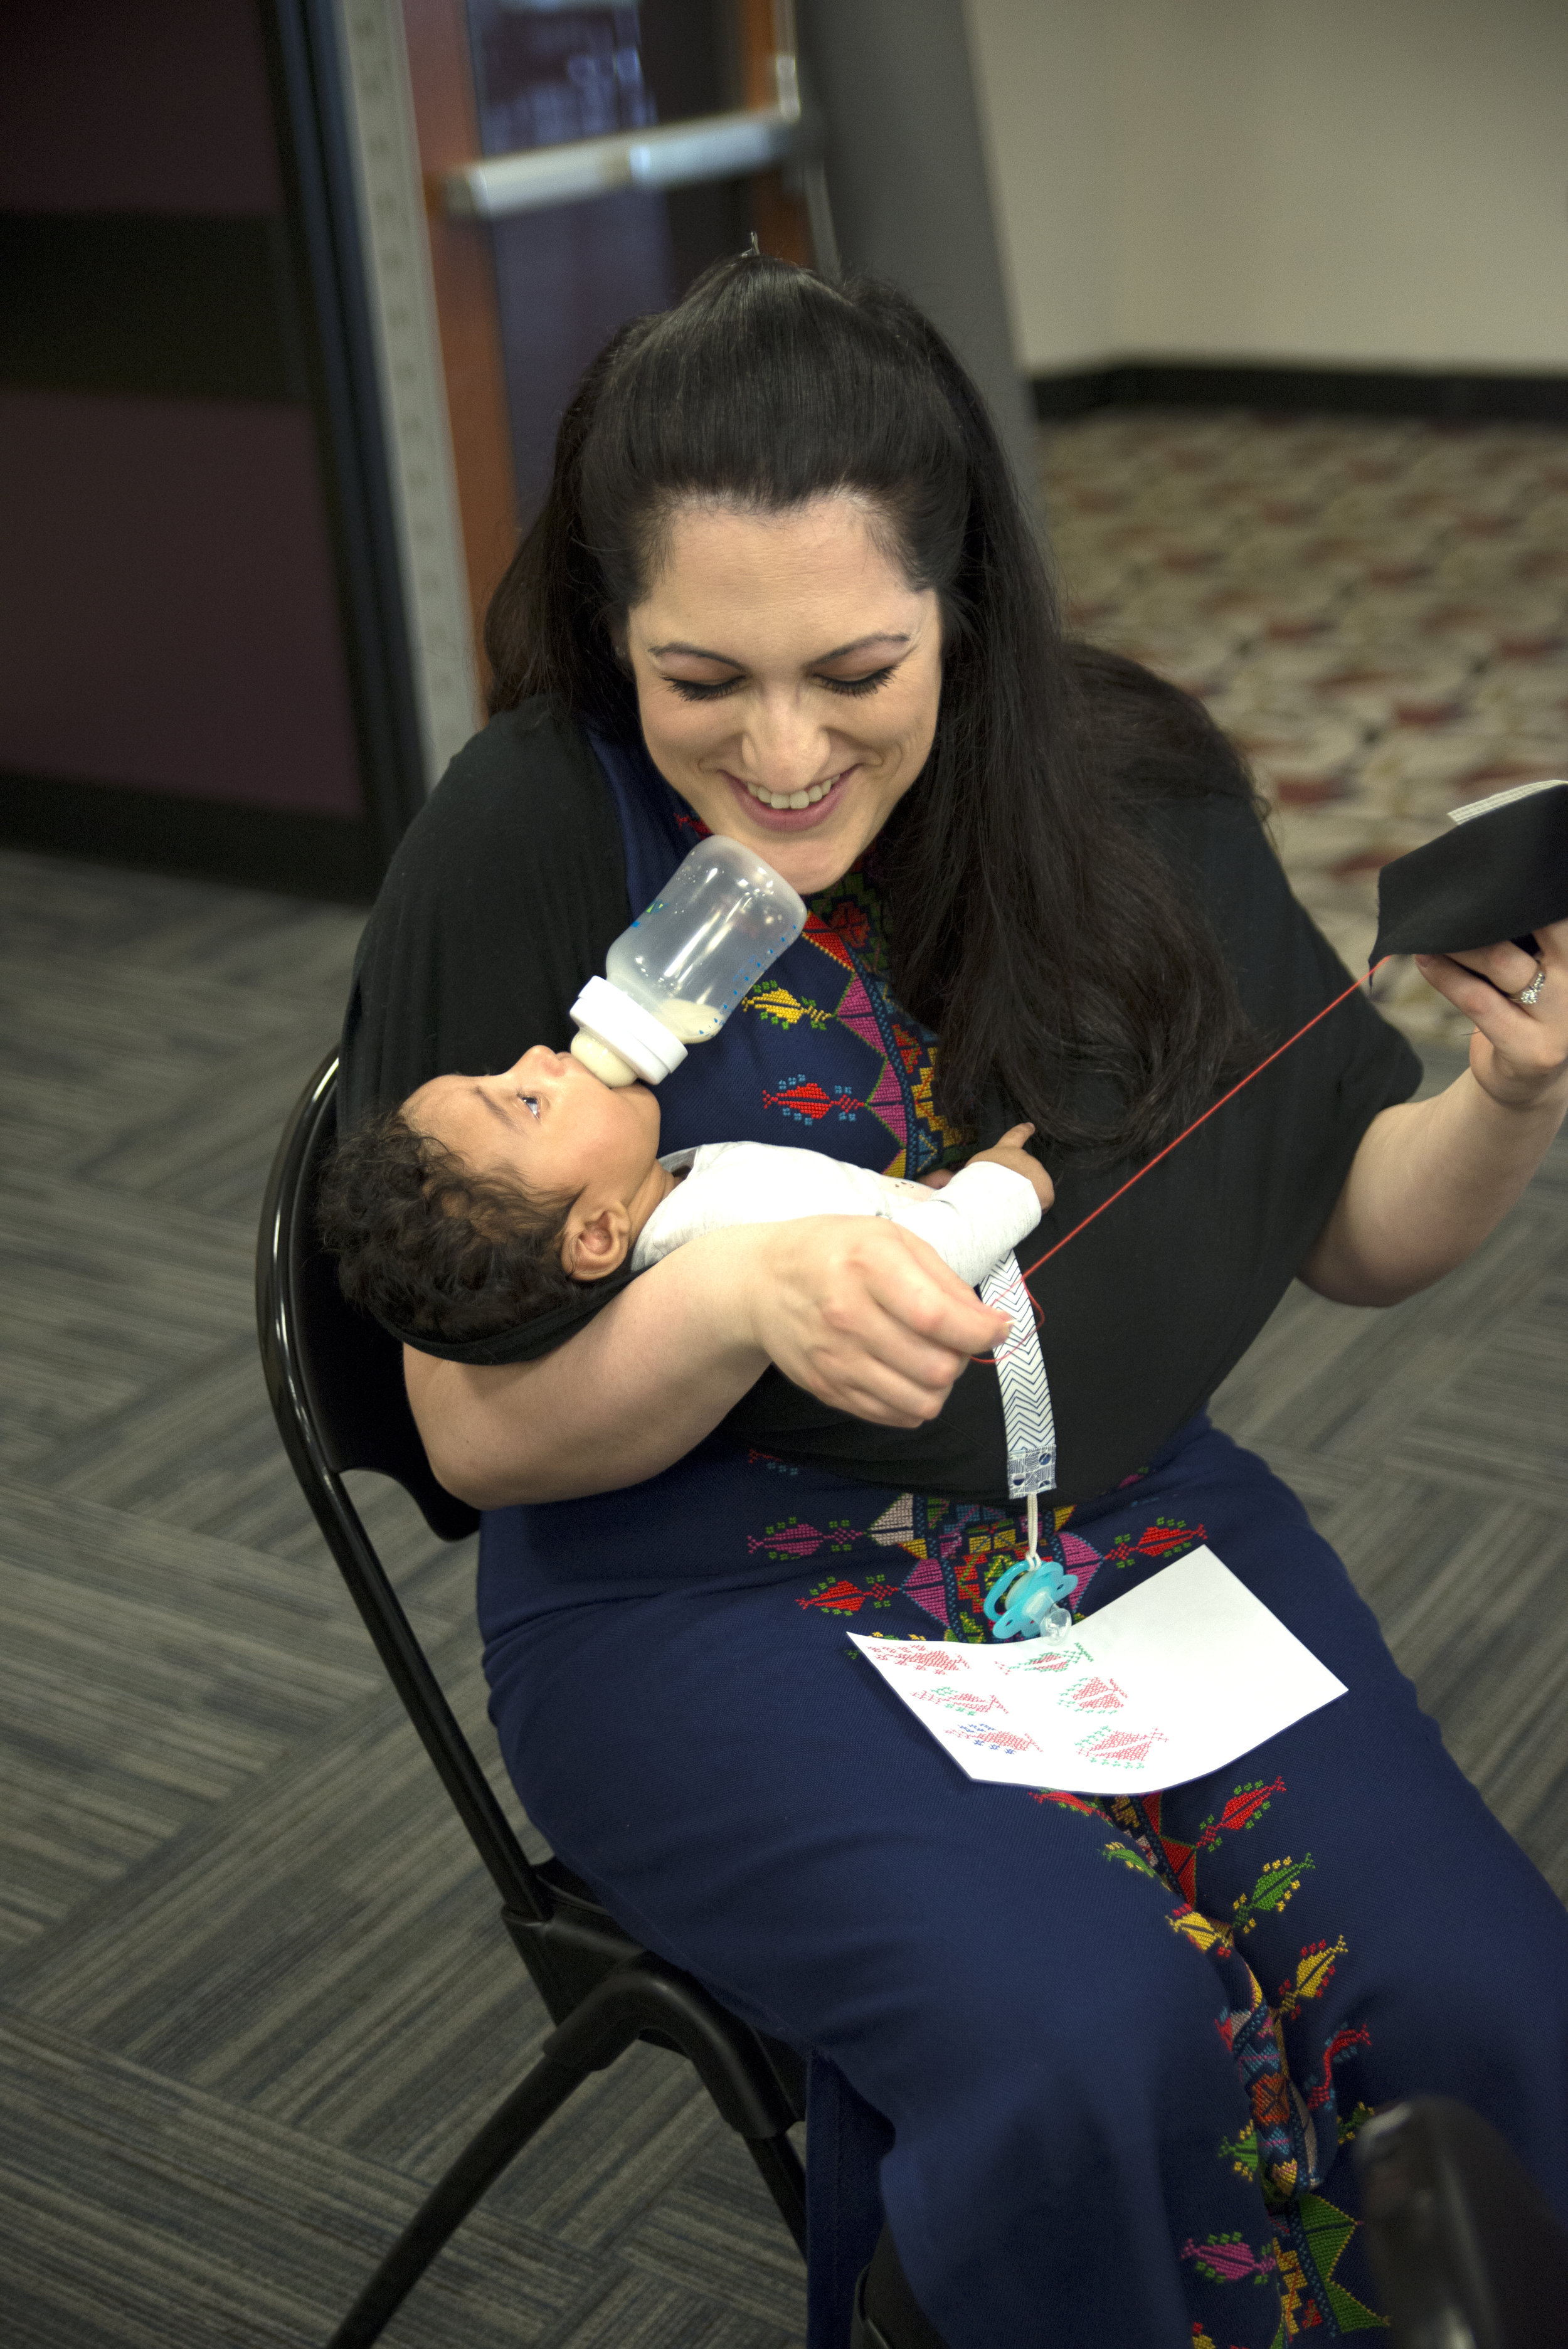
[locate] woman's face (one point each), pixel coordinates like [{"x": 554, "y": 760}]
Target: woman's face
[{"x": 788, "y": 677}]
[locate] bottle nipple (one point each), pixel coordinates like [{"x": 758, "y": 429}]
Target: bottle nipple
[{"x": 607, "y": 1066}]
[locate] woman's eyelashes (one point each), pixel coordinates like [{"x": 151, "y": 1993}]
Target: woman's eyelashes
[{"x": 690, "y": 690}]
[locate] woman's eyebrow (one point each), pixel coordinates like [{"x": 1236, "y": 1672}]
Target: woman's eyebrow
[{"x": 840, "y": 652}]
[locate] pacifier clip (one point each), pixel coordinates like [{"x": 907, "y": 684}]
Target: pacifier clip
[{"x": 1037, "y": 1585}]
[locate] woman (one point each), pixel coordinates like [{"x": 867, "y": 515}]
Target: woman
[{"x": 782, "y": 587}]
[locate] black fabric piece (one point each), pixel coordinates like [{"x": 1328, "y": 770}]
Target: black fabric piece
[
  {"x": 1499, "y": 876},
  {"x": 504, "y": 897}
]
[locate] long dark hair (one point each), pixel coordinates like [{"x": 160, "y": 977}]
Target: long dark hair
[{"x": 1032, "y": 921}]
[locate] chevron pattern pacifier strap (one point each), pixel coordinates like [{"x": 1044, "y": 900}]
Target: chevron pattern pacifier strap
[{"x": 1026, "y": 1392}]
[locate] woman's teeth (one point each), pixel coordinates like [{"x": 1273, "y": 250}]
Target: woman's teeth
[{"x": 807, "y": 798}]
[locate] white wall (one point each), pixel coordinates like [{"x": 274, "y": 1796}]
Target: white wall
[{"x": 1351, "y": 181}]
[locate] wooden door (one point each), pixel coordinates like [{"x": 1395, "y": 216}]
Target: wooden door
[{"x": 524, "y": 302}]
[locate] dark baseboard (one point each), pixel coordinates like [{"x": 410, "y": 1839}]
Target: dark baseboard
[
  {"x": 300, "y": 854},
  {"x": 1443, "y": 395}
]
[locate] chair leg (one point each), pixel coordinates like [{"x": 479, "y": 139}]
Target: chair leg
[
  {"x": 592, "y": 2036},
  {"x": 476, "y": 2168},
  {"x": 638, "y": 1995},
  {"x": 785, "y": 2180}
]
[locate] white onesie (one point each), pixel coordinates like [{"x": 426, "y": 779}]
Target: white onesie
[{"x": 985, "y": 1210}]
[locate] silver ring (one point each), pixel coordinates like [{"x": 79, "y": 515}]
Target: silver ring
[{"x": 1527, "y": 995}]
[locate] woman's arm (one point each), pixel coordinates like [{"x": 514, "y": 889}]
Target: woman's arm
[
  {"x": 1432, "y": 1178},
  {"x": 863, "y": 1315}
]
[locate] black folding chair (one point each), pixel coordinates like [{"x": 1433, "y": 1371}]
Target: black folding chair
[
  {"x": 1465, "y": 2248},
  {"x": 336, "y": 1378}
]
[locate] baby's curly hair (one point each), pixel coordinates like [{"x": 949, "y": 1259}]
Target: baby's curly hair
[{"x": 426, "y": 1244}]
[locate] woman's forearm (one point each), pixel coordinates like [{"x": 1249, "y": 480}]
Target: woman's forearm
[
  {"x": 1429, "y": 1181},
  {"x": 863, "y": 1315},
  {"x": 648, "y": 1378}
]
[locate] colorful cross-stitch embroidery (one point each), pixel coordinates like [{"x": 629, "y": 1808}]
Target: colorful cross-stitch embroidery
[
  {"x": 1167, "y": 1537},
  {"x": 845, "y": 924},
  {"x": 1315, "y": 2235}
]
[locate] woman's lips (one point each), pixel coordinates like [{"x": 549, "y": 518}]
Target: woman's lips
[{"x": 788, "y": 818}]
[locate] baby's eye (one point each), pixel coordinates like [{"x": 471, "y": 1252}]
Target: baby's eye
[{"x": 530, "y": 1102}]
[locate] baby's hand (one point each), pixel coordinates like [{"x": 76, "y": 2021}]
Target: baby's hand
[{"x": 1011, "y": 1153}]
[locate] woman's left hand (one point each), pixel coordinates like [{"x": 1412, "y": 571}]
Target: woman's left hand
[
  {"x": 1518, "y": 1053},
  {"x": 1432, "y": 1177}
]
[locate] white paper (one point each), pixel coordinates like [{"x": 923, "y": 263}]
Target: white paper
[{"x": 1187, "y": 1673}]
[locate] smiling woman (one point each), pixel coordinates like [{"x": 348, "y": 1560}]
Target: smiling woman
[
  {"x": 772, "y": 545},
  {"x": 774, "y": 731},
  {"x": 783, "y": 588}
]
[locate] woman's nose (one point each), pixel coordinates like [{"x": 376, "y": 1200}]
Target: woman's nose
[{"x": 786, "y": 747}]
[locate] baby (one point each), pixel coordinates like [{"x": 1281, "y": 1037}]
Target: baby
[{"x": 483, "y": 1201}]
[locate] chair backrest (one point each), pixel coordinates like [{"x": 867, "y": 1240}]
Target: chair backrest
[
  {"x": 335, "y": 1380},
  {"x": 347, "y": 1370}
]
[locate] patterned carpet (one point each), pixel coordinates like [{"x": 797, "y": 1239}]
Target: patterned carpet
[
  {"x": 1377, "y": 612},
  {"x": 253, "y": 1990}
]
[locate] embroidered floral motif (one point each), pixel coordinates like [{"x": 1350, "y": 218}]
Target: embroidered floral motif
[
  {"x": 808, "y": 1102},
  {"x": 1314, "y": 1971},
  {"x": 956, "y": 1551},
  {"x": 1278, "y": 1881},
  {"x": 792, "y": 1538},
  {"x": 1245, "y": 1807},
  {"x": 1228, "y": 2259},
  {"x": 771, "y": 1001},
  {"x": 1066, "y": 1802},
  {"x": 849, "y": 1597},
  {"x": 1242, "y": 2153},
  {"x": 1167, "y": 1537}
]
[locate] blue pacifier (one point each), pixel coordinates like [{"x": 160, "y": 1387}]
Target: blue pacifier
[{"x": 1039, "y": 1585}]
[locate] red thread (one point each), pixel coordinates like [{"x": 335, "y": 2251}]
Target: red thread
[{"x": 1197, "y": 1121}]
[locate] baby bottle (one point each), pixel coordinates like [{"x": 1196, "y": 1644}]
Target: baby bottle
[{"x": 675, "y": 976}]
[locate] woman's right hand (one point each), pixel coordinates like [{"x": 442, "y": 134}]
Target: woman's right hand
[{"x": 866, "y": 1317}]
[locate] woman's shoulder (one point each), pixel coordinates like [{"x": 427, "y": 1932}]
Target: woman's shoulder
[
  {"x": 522, "y": 819},
  {"x": 531, "y": 768}
]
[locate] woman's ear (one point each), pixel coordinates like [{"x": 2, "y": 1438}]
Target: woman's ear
[{"x": 594, "y": 1246}]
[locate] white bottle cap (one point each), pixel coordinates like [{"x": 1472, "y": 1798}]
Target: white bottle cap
[{"x": 610, "y": 1017}]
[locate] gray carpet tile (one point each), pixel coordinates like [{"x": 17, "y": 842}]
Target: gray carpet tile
[
  {"x": 716, "y": 2231},
  {"x": 143, "y": 2212}
]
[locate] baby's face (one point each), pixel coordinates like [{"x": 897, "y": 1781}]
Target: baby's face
[{"x": 547, "y": 1120}]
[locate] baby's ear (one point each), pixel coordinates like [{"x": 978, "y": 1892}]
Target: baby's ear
[{"x": 593, "y": 1246}]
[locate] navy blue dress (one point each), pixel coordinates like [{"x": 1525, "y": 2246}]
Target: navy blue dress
[{"x": 1098, "y": 2062}]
